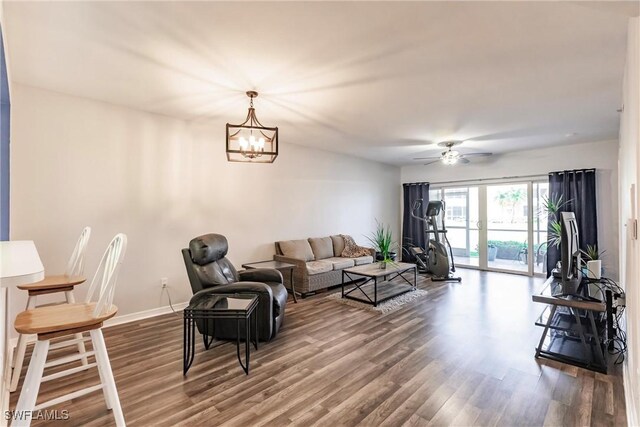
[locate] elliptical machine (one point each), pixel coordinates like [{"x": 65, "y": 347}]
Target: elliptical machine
[{"x": 436, "y": 261}]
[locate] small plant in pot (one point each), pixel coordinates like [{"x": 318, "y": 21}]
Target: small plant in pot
[
  {"x": 593, "y": 264},
  {"x": 382, "y": 241}
]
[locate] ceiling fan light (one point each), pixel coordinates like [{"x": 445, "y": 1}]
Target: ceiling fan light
[
  {"x": 450, "y": 157},
  {"x": 449, "y": 160}
]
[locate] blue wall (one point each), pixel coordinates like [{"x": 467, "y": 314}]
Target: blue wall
[{"x": 5, "y": 112}]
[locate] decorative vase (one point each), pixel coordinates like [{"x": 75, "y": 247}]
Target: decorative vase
[
  {"x": 382, "y": 265},
  {"x": 594, "y": 269}
]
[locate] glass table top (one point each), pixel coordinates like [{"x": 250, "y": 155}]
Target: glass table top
[{"x": 221, "y": 302}]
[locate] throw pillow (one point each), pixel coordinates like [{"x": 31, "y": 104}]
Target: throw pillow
[
  {"x": 351, "y": 249},
  {"x": 322, "y": 247},
  {"x": 298, "y": 249},
  {"x": 338, "y": 244}
]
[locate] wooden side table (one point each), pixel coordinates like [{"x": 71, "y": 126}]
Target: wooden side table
[{"x": 282, "y": 267}]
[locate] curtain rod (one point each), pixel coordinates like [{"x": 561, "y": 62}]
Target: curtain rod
[
  {"x": 573, "y": 171},
  {"x": 490, "y": 179},
  {"x": 500, "y": 178}
]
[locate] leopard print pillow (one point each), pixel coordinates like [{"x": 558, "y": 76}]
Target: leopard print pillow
[{"x": 351, "y": 249}]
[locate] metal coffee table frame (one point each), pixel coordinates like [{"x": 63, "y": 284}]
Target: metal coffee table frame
[
  {"x": 374, "y": 278},
  {"x": 191, "y": 315}
]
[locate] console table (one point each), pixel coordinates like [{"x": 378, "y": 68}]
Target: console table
[
  {"x": 19, "y": 265},
  {"x": 575, "y": 327}
]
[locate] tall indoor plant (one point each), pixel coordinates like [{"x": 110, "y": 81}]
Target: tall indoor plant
[{"x": 552, "y": 205}]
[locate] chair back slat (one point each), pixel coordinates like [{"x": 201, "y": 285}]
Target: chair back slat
[
  {"x": 102, "y": 288},
  {"x": 75, "y": 266}
]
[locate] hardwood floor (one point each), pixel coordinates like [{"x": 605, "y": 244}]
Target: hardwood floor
[{"x": 463, "y": 355}]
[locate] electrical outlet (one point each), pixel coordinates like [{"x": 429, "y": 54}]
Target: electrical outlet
[{"x": 164, "y": 282}]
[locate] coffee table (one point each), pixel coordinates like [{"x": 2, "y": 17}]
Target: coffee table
[
  {"x": 219, "y": 306},
  {"x": 377, "y": 286},
  {"x": 282, "y": 267}
]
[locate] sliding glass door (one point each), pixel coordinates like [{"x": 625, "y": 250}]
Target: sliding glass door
[
  {"x": 497, "y": 226},
  {"x": 507, "y": 227},
  {"x": 461, "y": 219},
  {"x": 540, "y": 193}
]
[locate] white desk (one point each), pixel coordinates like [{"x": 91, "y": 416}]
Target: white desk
[{"x": 19, "y": 265}]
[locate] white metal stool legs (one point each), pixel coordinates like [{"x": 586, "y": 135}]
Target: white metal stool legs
[
  {"x": 21, "y": 349},
  {"x": 29, "y": 393},
  {"x": 106, "y": 375},
  {"x": 81, "y": 348}
]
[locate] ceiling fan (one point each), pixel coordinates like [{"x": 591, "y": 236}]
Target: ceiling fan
[{"x": 451, "y": 157}]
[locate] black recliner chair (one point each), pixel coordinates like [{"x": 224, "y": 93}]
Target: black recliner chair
[{"x": 210, "y": 272}]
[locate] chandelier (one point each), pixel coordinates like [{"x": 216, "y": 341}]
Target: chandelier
[{"x": 250, "y": 141}]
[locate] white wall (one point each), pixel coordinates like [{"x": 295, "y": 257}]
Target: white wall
[
  {"x": 629, "y": 175},
  {"x": 599, "y": 155},
  {"x": 163, "y": 181}
]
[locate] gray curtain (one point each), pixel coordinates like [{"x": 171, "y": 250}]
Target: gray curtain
[
  {"x": 413, "y": 229},
  {"x": 579, "y": 188}
]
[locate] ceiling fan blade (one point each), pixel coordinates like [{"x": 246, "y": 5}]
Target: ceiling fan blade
[
  {"x": 430, "y": 163},
  {"x": 463, "y": 160},
  {"x": 477, "y": 154},
  {"x": 427, "y": 158}
]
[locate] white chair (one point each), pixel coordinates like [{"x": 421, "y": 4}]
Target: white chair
[
  {"x": 73, "y": 276},
  {"x": 67, "y": 319}
]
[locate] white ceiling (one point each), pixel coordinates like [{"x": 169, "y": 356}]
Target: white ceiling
[{"x": 378, "y": 80}]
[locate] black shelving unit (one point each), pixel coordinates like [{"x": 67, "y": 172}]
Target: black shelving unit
[{"x": 575, "y": 330}]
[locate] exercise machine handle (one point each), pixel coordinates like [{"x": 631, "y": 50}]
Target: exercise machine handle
[{"x": 417, "y": 206}]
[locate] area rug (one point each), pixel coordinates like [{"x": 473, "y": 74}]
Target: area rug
[{"x": 385, "y": 307}]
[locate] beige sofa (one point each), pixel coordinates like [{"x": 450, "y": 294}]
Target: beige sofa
[{"x": 318, "y": 262}]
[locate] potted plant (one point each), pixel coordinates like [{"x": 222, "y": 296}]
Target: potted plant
[
  {"x": 382, "y": 241},
  {"x": 552, "y": 206},
  {"x": 594, "y": 261},
  {"x": 492, "y": 251}
]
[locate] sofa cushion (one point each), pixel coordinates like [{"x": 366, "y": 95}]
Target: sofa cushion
[
  {"x": 339, "y": 263},
  {"x": 322, "y": 247},
  {"x": 298, "y": 249},
  {"x": 317, "y": 267},
  {"x": 338, "y": 244},
  {"x": 363, "y": 260}
]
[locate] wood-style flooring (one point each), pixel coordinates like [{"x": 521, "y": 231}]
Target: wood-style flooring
[{"x": 463, "y": 355}]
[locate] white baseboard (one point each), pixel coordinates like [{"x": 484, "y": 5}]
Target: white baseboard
[
  {"x": 133, "y": 317},
  {"x": 119, "y": 320},
  {"x": 633, "y": 419}
]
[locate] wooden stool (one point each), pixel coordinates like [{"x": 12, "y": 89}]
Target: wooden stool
[
  {"x": 68, "y": 319},
  {"x": 52, "y": 285}
]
